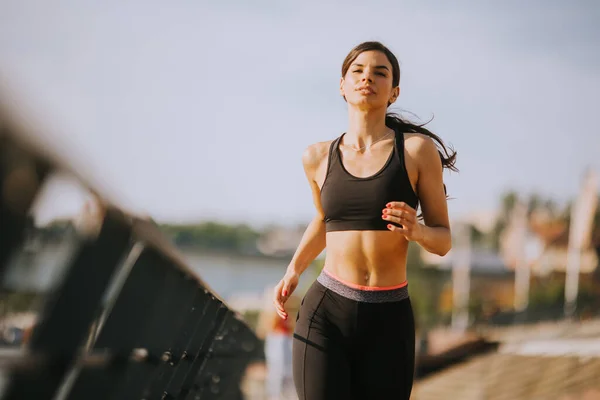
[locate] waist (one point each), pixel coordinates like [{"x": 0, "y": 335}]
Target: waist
[{"x": 367, "y": 294}]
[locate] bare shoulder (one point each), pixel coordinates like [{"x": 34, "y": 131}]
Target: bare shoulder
[
  {"x": 314, "y": 155},
  {"x": 421, "y": 147}
]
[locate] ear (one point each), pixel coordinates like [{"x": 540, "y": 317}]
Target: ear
[
  {"x": 342, "y": 87},
  {"x": 394, "y": 95}
]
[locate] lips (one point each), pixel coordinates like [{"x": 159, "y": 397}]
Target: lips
[{"x": 366, "y": 90}]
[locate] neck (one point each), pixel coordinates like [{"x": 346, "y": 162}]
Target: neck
[{"x": 365, "y": 126}]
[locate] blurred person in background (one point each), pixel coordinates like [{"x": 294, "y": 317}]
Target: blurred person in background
[
  {"x": 277, "y": 335},
  {"x": 355, "y": 335}
]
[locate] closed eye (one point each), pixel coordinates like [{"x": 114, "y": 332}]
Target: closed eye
[{"x": 377, "y": 73}]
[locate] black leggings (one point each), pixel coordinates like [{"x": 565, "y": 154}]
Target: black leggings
[{"x": 350, "y": 349}]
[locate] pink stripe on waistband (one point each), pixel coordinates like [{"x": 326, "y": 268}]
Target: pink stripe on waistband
[{"x": 369, "y": 288}]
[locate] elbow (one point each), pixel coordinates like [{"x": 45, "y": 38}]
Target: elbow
[{"x": 443, "y": 250}]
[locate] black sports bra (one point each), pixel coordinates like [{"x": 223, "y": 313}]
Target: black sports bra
[{"x": 353, "y": 203}]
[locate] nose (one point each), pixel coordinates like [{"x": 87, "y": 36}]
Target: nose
[{"x": 367, "y": 76}]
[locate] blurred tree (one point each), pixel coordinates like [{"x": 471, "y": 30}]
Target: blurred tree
[
  {"x": 213, "y": 235},
  {"x": 534, "y": 202},
  {"x": 478, "y": 237},
  {"x": 19, "y": 301},
  {"x": 425, "y": 286},
  {"x": 507, "y": 204}
]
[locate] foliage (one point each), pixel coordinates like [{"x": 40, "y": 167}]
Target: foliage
[
  {"x": 18, "y": 301},
  {"x": 213, "y": 235},
  {"x": 549, "y": 292},
  {"x": 425, "y": 286}
]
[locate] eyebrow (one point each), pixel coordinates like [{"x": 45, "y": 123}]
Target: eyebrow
[{"x": 376, "y": 67}]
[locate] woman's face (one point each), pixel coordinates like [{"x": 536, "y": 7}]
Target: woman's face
[{"x": 368, "y": 82}]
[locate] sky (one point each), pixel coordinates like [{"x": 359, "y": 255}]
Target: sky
[{"x": 195, "y": 110}]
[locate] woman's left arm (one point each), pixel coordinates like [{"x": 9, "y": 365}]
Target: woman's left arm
[{"x": 434, "y": 235}]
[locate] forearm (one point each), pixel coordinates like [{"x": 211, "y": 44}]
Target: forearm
[
  {"x": 437, "y": 240},
  {"x": 311, "y": 245}
]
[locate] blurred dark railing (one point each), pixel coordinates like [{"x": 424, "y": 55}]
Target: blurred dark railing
[{"x": 126, "y": 320}]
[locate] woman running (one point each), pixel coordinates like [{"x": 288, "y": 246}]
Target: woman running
[{"x": 355, "y": 334}]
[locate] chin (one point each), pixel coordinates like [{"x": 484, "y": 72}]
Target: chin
[{"x": 367, "y": 102}]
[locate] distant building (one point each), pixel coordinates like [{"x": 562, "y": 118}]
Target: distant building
[
  {"x": 491, "y": 281},
  {"x": 555, "y": 237}
]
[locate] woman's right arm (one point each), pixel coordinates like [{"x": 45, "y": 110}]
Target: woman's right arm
[
  {"x": 313, "y": 239},
  {"x": 311, "y": 245}
]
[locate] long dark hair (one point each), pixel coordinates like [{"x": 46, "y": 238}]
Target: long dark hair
[{"x": 393, "y": 120}]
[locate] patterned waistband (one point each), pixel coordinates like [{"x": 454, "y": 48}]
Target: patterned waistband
[{"x": 363, "y": 293}]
